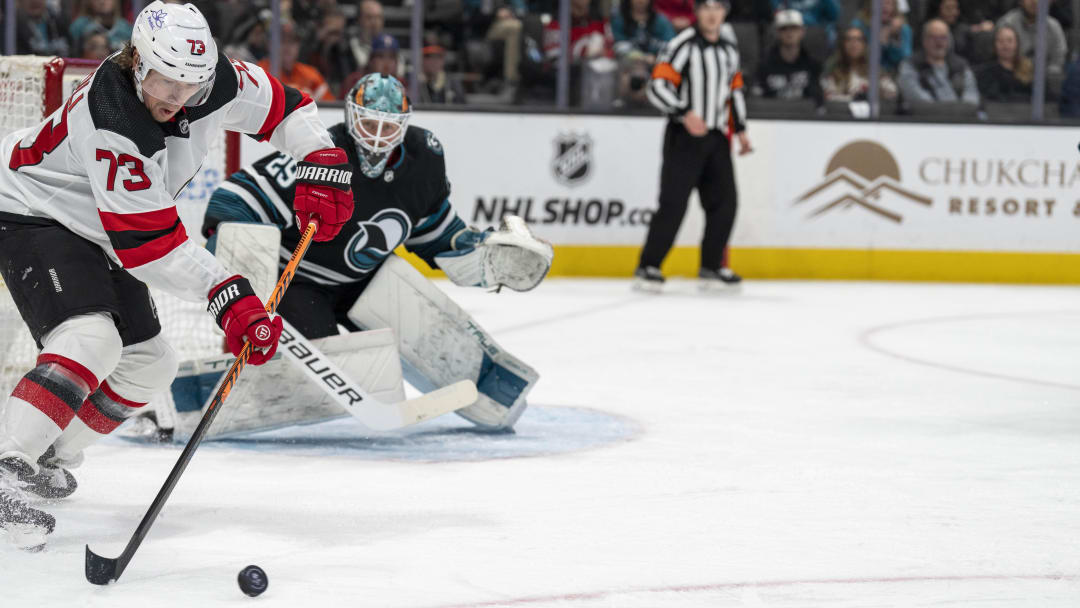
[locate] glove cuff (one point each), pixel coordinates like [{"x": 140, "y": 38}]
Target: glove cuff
[
  {"x": 226, "y": 294},
  {"x": 327, "y": 156}
]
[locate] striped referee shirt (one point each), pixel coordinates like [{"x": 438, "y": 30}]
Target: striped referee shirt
[{"x": 692, "y": 73}]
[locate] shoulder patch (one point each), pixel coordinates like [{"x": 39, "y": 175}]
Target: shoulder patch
[
  {"x": 434, "y": 144},
  {"x": 224, "y": 91},
  {"x": 115, "y": 107}
]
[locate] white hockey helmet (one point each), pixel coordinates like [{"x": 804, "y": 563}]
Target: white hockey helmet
[{"x": 175, "y": 41}]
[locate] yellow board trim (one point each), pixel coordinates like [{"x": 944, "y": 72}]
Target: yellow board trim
[{"x": 849, "y": 264}]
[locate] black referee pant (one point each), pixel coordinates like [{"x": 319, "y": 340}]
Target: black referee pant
[{"x": 693, "y": 162}]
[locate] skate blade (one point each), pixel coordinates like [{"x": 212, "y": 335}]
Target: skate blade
[
  {"x": 719, "y": 287},
  {"x": 647, "y": 286},
  {"x": 27, "y": 537}
]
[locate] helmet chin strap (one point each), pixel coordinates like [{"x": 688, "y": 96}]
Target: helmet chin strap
[{"x": 138, "y": 80}]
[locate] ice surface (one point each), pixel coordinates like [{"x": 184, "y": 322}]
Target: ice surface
[{"x": 801, "y": 444}]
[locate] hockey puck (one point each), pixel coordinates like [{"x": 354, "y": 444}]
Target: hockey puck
[{"x": 252, "y": 580}]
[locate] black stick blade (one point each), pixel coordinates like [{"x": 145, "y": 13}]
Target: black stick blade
[{"x": 101, "y": 570}]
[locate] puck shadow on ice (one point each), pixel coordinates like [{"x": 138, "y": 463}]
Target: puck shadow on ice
[{"x": 541, "y": 431}]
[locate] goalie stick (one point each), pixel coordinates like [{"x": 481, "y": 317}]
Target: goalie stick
[
  {"x": 102, "y": 570},
  {"x": 356, "y": 401}
]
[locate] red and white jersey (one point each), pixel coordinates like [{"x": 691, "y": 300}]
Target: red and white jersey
[{"x": 105, "y": 169}]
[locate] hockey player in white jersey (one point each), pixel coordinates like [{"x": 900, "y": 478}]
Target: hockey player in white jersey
[{"x": 87, "y": 221}]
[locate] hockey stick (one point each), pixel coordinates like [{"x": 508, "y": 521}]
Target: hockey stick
[
  {"x": 102, "y": 570},
  {"x": 371, "y": 412}
]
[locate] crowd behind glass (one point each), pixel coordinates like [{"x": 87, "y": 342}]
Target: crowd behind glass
[{"x": 954, "y": 58}]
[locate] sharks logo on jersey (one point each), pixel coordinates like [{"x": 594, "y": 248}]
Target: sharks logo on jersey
[{"x": 376, "y": 238}]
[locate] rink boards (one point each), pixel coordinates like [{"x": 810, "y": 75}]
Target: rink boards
[{"x": 842, "y": 200}]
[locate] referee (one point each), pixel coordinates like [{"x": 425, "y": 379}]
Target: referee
[{"x": 697, "y": 83}]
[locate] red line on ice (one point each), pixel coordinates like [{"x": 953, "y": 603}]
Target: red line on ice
[{"x": 595, "y": 595}]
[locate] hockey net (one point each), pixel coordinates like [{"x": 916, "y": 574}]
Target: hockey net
[{"x": 31, "y": 87}]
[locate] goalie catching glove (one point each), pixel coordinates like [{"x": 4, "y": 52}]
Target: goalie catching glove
[
  {"x": 511, "y": 256},
  {"x": 324, "y": 189},
  {"x": 242, "y": 316}
]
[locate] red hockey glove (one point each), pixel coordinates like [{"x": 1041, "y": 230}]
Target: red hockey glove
[
  {"x": 238, "y": 311},
  {"x": 324, "y": 189}
]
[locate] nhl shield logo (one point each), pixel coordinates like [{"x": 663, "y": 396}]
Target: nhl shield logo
[{"x": 573, "y": 158}]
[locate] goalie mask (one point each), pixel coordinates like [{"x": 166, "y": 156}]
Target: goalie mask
[
  {"x": 378, "y": 112},
  {"x": 174, "y": 41}
]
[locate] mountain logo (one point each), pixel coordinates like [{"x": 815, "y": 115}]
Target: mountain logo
[{"x": 861, "y": 175}]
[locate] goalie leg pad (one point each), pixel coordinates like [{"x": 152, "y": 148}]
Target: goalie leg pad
[
  {"x": 441, "y": 344},
  {"x": 277, "y": 394},
  {"x": 250, "y": 250}
]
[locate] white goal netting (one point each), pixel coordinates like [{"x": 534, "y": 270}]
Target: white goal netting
[{"x": 30, "y": 88}]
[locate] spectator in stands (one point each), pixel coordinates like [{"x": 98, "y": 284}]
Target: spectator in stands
[
  {"x": 788, "y": 71},
  {"x": 436, "y": 86},
  {"x": 383, "y": 59},
  {"x": 300, "y": 76},
  {"x": 960, "y": 26},
  {"x": 895, "y": 33},
  {"x": 590, "y": 34},
  {"x": 330, "y": 52},
  {"x": 250, "y": 38},
  {"x": 385, "y": 53},
  {"x": 95, "y": 44},
  {"x": 936, "y": 74},
  {"x": 39, "y": 30},
  {"x": 847, "y": 73},
  {"x": 971, "y": 13},
  {"x": 103, "y": 13},
  {"x": 372, "y": 23},
  {"x": 814, "y": 12},
  {"x": 679, "y": 12},
  {"x": 1022, "y": 20},
  {"x": 1009, "y": 76},
  {"x": 498, "y": 21},
  {"x": 1070, "y": 92},
  {"x": 639, "y": 33}
]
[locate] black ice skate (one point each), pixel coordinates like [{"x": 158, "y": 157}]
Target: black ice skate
[
  {"x": 719, "y": 280},
  {"x": 52, "y": 481},
  {"x": 648, "y": 278},
  {"x": 25, "y": 525}
]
